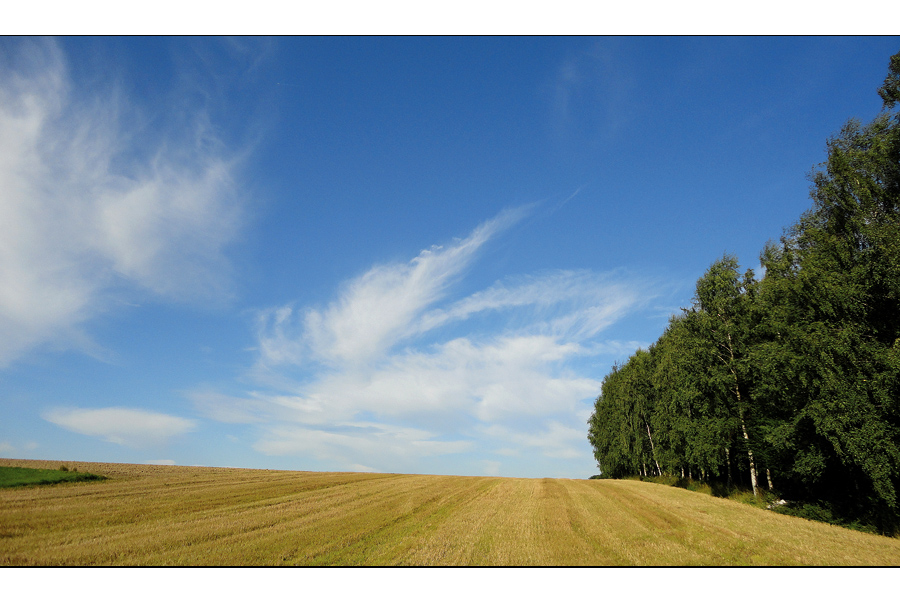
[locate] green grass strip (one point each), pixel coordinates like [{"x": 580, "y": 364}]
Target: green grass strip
[{"x": 11, "y": 477}]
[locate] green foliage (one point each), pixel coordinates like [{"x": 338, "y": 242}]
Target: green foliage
[
  {"x": 890, "y": 91},
  {"x": 832, "y": 291},
  {"x": 794, "y": 377},
  {"x": 11, "y": 477}
]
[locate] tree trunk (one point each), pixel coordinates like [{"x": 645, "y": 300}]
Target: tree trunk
[
  {"x": 769, "y": 479},
  {"x": 737, "y": 393},
  {"x": 728, "y": 463},
  {"x": 749, "y": 456},
  {"x": 653, "y": 450}
]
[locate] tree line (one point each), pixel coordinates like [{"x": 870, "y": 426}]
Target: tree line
[{"x": 788, "y": 383}]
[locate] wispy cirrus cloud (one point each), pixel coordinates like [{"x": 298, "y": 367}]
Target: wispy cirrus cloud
[
  {"x": 125, "y": 426},
  {"x": 91, "y": 202},
  {"x": 397, "y": 370},
  {"x": 594, "y": 92},
  {"x": 373, "y": 311},
  {"x": 572, "y": 303}
]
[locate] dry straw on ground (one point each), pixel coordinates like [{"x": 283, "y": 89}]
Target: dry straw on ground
[{"x": 159, "y": 515}]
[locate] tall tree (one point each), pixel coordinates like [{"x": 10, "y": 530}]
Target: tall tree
[
  {"x": 607, "y": 428},
  {"x": 722, "y": 322},
  {"x": 832, "y": 292},
  {"x": 677, "y": 398}
]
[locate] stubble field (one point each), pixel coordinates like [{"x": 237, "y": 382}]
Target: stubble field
[{"x": 160, "y": 515}]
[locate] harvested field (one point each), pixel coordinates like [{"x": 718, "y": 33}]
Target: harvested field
[{"x": 161, "y": 515}]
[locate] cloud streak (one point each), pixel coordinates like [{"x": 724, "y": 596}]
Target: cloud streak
[
  {"x": 87, "y": 213},
  {"x": 374, "y": 311}
]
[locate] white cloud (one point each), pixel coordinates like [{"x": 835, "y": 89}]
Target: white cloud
[
  {"x": 361, "y": 468},
  {"x": 491, "y": 467},
  {"x": 125, "y": 426},
  {"x": 517, "y": 367},
  {"x": 348, "y": 443},
  {"x": 84, "y": 209},
  {"x": 505, "y": 376},
  {"x": 396, "y": 368},
  {"x": 6, "y": 448},
  {"x": 508, "y": 376},
  {"x": 555, "y": 440},
  {"x": 160, "y": 462}
]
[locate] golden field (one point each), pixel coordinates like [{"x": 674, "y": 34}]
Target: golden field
[{"x": 162, "y": 515}]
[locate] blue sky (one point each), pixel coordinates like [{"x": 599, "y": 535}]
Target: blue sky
[{"x": 378, "y": 254}]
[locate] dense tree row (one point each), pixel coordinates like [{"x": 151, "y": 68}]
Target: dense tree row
[{"x": 790, "y": 382}]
